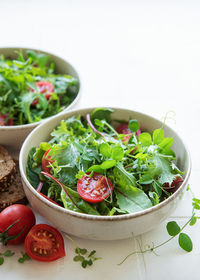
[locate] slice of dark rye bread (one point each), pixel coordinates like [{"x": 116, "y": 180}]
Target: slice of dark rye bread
[
  {"x": 14, "y": 194},
  {"x": 7, "y": 169}
]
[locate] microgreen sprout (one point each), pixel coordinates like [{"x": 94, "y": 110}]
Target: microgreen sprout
[
  {"x": 174, "y": 230},
  {"x": 25, "y": 257},
  {"x": 7, "y": 253},
  {"x": 82, "y": 255}
]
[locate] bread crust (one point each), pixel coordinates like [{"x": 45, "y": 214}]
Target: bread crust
[
  {"x": 14, "y": 192},
  {"x": 7, "y": 169}
]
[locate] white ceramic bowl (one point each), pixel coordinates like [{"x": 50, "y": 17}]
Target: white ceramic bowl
[
  {"x": 12, "y": 137},
  {"x": 104, "y": 227}
]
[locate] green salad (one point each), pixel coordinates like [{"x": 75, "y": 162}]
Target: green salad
[
  {"x": 100, "y": 166},
  {"x": 31, "y": 90}
]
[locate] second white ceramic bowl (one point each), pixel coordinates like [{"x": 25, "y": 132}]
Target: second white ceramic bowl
[
  {"x": 104, "y": 227},
  {"x": 12, "y": 137}
]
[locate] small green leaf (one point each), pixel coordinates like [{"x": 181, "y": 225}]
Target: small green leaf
[
  {"x": 83, "y": 251},
  {"x": 193, "y": 221},
  {"x": 1, "y": 260},
  {"x": 78, "y": 258},
  {"x": 91, "y": 253},
  {"x": 158, "y": 136},
  {"x": 8, "y": 253},
  {"x": 105, "y": 150},
  {"x": 145, "y": 139},
  {"x": 108, "y": 164},
  {"x": 90, "y": 262},
  {"x": 173, "y": 228},
  {"x": 185, "y": 242},
  {"x": 25, "y": 257},
  {"x": 95, "y": 168},
  {"x": 77, "y": 250},
  {"x": 84, "y": 263},
  {"x": 133, "y": 125},
  {"x": 117, "y": 153}
]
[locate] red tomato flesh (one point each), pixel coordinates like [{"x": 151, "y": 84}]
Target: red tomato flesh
[
  {"x": 4, "y": 120},
  {"x": 44, "y": 243},
  {"x": 46, "y": 161},
  {"x": 123, "y": 129},
  {"x": 45, "y": 88},
  {"x": 94, "y": 189},
  {"x": 13, "y": 213}
]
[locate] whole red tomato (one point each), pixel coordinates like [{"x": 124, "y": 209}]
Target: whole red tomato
[{"x": 15, "y": 222}]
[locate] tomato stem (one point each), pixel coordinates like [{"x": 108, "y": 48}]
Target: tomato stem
[{"x": 4, "y": 237}]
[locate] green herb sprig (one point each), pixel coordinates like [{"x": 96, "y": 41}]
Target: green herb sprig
[
  {"x": 82, "y": 255},
  {"x": 25, "y": 257},
  {"x": 7, "y": 253},
  {"x": 174, "y": 230}
]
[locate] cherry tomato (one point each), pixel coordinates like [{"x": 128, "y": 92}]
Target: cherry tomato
[
  {"x": 123, "y": 129},
  {"x": 46, "y": 161},
  {"x": 44, "y": 243},
  {"x": 45, "y": 88},
  {"x": 24, "y": 218},
  {"x": 4, "y": 120},
  {"x": 95, "y": 188}
]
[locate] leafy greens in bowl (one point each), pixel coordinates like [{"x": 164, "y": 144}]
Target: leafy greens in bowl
[
  {"x": 31, "y": 90},
  {"x": 34, "y": 86},
  {"x": 104, "y": 168}
]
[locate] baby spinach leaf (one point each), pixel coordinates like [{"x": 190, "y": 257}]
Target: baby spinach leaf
[
  {"x": 132, "y": 199},
  {"x": 101, "y": 114}
]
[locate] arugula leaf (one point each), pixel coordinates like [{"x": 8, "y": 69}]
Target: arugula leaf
[{"x": 164, "y": 165}]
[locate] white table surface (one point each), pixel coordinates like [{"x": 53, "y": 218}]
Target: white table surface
[{"x": 140, "y": 55}]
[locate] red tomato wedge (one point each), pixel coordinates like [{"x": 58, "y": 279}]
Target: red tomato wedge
[
  {"x": 44, "y": 243},
  {"x": 123, "y": 129},
  {"x": 4, "y": 120},
  {"x": 45, "y": 88},
  {"x": 94, "y": 189},
  {"x": 21, "y": 217},
  {"x": 46, "y": 161}
]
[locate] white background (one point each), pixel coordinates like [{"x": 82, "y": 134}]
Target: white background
[{"x": 140, "y": 55}]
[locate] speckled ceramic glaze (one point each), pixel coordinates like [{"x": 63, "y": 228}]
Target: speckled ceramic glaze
[
  {"x": 12, "y": 137},
  {"x": 104, "y": 227}
]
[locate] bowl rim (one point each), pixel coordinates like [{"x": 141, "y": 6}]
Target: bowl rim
[
  {"x": 96, "y": 217},
  {"x": 32, "y": 125}
]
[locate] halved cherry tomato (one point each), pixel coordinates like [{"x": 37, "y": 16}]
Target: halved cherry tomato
[
  {"x": 95, "y": 188},
  {"x": 44, "y": 243},
  {"x": 4, "y": 120},
  {"x": 24, "y": 219},
  {"x": 46, "y": 161},
  {"x": 124, "y": 129},
  {"x": 45, "y": 88}
]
